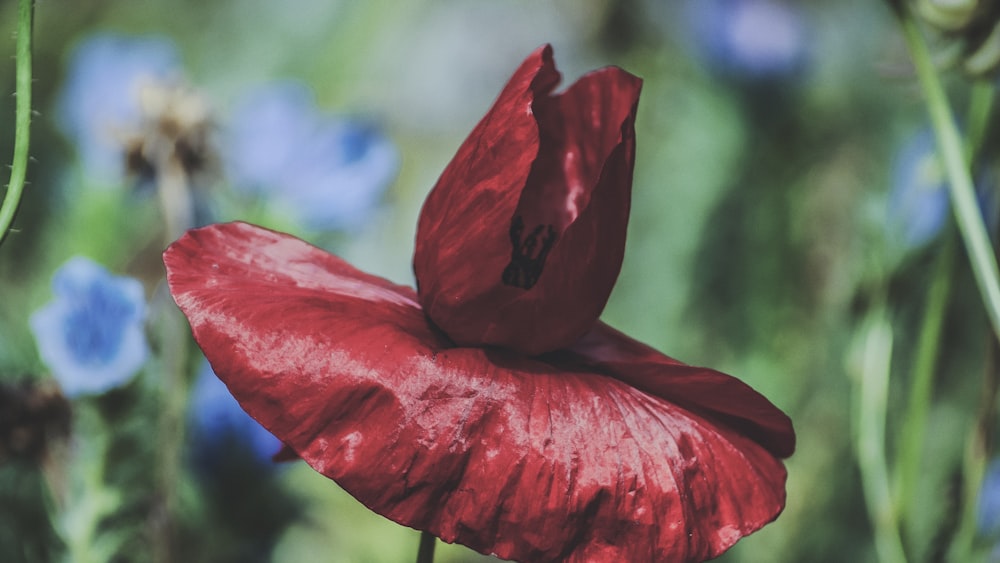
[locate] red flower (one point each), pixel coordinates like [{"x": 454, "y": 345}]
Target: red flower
[
  {"x": 493, "y": 409},
  {"x": 541, "y": 186}
]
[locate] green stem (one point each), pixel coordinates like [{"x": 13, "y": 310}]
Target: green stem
[
  {"x": 173, "y": 187},
  {"x": 928, "y": 347},
  {"x": 22, "y": 118},
  {"x": 175, "y": 354},
  {"x": 963, "y": 196},
  {"x": 175, "y": 390},
  {"x": 425, "y": 553},
  {"x": 977, "y": 118},
  {"x": 89, "y": 499},
  {"x": 981, "y": 255},
  {"x": 873, "y": 394},
  {"x": 974, "y": 466}
]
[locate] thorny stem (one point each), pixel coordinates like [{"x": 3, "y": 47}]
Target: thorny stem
[
  {"x": 425, "y": 553},
  {"x": 22, "y": 118}
]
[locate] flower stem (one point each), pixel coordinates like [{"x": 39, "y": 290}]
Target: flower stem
[
  {"x": 928, "y": 347},
  {"x": 873, "y": 391},
  {"x": 22, "y": 118},
  {"x": 174, "y": 350},
  {"x": 981, "y": 255},
  {"x": 963, "y": 197},
  {"x": 425, "y": 553},
  {"x": 89, "y": 499},
  {"x": 977, "y": 119},
  {"x": 173, "y": 187},
  {"x": 977, "y": 451},
  {"x": 174, "y": 191}
]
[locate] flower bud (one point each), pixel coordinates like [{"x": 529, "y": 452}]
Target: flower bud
[{"x": 539, "y": 194}]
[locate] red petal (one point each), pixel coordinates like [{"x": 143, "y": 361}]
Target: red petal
[
  {"x": 527, "y": 459},
  {"x": 522, "y": 238},
  {"x": 702, "y": 390}
]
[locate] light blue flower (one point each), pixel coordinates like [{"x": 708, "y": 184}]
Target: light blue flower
[
  {"x": 100, "y": 105},
  {"x": 327, "y": 173},
  {"x": 753, "y": 38},
  {"x": 919, "y": 201},
  {"x": 918, "y": 204},
  {"x": 91, "y": 335},
  {"x": 220, "y": 426},
  {"x": 988, "y": 520}
]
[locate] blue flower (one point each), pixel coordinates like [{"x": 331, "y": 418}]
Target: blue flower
[
  {"x": 327, "y": 173},
  {"x": 91, "y": 335},
  {"x": 220, "y": 426},
  {"x": 753, "y": 38},
  {"x": 989, "y": 501},
  {"x": 918, "y": 201},
  {"x": 100, "y": 105}
]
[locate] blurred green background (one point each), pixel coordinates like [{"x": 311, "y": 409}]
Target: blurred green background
[{"x": 760, "y": 231}]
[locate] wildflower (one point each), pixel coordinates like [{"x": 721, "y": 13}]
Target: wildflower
[
  {"x": 100, "y": 104},
  {"x": 171, "y": 149},
  {"x": 220, "y": 425},
  {"x": 91, "y": 335},
  {"x": 490, "y": 407},
  {"x": 327, "y": 173},
  {"x": 173, "y": 131},
  {"x": 918, "y": 202},
  {"x": 988, "y": 520},
  {"x": 750, "y": 38}
]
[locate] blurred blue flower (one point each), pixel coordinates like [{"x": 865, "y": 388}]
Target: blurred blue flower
[
  {"x": 918, "y": 201},
  {"x": 753, "y": 38},
  {"x": 327, "y": 173},
  {"x": 220, "y": 426},
  {"x": 99, "y": 104},
  {"x": 91, "y": 335},
  {"x": 988, "y": 520}
]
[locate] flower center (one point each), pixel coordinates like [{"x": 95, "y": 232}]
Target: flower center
[
  {"x": 527, "y": 257},
  {"x": 93, "y": 329}
]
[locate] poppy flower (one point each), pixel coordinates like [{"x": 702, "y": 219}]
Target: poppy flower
[{"x": 490, "y": 407}]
